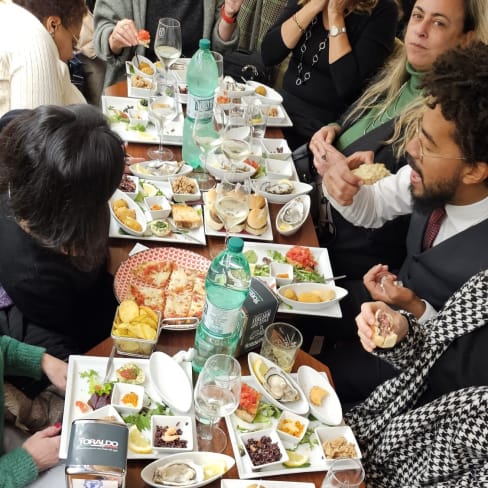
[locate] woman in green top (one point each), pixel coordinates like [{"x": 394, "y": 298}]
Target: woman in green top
[{"x": 22, "y": 465}]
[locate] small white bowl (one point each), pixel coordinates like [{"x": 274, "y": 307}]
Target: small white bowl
[
  {"x": 295, "y": 427},
  {"x": 219, "y": 167},
  {"x": 136, "y": 60},
  {"x": 278, "y": 168},
  {"x": 258, "y": 435},
  {"x": 164, "y": 210},
  {"x": 120, "y": 195},
  {"x": 181, "y": 422},
  {"x": 271, "y": 96},
  {"x": 330, "y": 433},
  {"x": 118, "y": 393},
  {"x": 185, "y": 197},
  {"x": 299, "y": 188},
  {"x": 276, "y": 148},
  {"x": 285, "y": 228},
  {"x": 107, "y": 413},
  {"x": 339, "y": 294},
  {"x": 282, "y": 272},
  {"x": 135, "y": 181},
  {"x": 138, "y": 119}
]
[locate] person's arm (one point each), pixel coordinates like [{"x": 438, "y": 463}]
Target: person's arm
[
  {"x": 228, "y": 21},
  {"x": 376, "y": 204},
  {"x": 353, "y": 62},
  {"x": 225, "y": 34},
  {"x": 21, "y": 359},
  {"x": 17, "y": 469}
]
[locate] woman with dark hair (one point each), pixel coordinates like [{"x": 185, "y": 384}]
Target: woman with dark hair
[
  {"x": 58, "y": 168},
  {"x": 37, "y": 38},
  {"x": 336, "y": 47}
]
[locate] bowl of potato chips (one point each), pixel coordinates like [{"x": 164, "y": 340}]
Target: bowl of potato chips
[{"x": 136, "y": 329}]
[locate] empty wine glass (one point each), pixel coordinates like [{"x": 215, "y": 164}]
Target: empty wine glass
[
  {"x": 217, "y": 395},
  {"x": 207, "y": 134},
  {"x": 232, "y": 203},
  {"x": 344, "y": 473},
  {"x": 236, "y": 143},
  {"x": 167, "y": 43},
  {"x": 163, "y": 106}
]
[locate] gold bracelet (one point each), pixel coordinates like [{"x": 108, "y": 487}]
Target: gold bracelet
[{"x": 298, "y": 23}]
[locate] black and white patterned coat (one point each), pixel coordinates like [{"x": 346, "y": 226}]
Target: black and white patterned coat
[{"x": 443, "y": 443}]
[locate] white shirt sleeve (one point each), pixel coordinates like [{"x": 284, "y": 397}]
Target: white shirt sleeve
[
  {"x": 376, "y": 204},
  {"x": 429, "y": 312}
]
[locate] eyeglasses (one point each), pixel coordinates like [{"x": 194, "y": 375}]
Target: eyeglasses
[
  {"x": 74, "y": 38},
  {"x": 430, "y": 155}
]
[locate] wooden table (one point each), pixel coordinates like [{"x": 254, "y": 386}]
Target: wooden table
[{"x": 171, "y": 342}]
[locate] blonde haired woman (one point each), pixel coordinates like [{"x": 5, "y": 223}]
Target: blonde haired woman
[{"x": 336, "y": 47}]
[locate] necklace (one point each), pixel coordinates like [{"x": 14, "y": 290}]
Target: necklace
[
  {"x": 390, "y": 111},
  {"x": 308, "y": 34}
]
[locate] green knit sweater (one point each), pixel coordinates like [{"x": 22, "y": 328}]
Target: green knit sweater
[{"x": 17, "y": 468}]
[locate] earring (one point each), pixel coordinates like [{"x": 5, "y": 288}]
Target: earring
[{"x": 52, "y": 34}]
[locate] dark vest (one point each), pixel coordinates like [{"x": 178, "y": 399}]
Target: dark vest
[{"x": 435, "y": 274}]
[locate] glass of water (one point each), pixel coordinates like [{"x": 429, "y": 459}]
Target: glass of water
[{"x": 217, "y": 395}]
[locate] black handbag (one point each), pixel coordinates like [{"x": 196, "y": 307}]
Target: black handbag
[{"x": 244, "y": 65}]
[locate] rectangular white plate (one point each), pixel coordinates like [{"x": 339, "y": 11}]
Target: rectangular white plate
[
  {"x": 281, "y": 120},
  {"x": 266, "y": 236},
  {"x": 77, "y": 390},
  {"x": 173, "y": 130},
  {"x": 323, "y": 266},
  {"x": 315, "y": 453}
]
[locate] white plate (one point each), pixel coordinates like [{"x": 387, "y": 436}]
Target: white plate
[
  {"x": 170, "y": 381},
  {"x": 77, "y": 390},
  {"x": 330, "y": 412},
  {"x": 313, "y": 451},
  {"x": 217, "y": 163},
  {"x": 339, "y": 292},
  {"x": 300, "y": 407},
  {"x": 278, "y": 168},
  {"x": 268, "y": 484},
  {"x": 323, "y": 267},
  {"x": 271, "y": 97},
  {"x": 200, "y": 458},
  {"x": 144, "y": 171},
  {"x": 120, "y": 195},
  {"x": 330, "y": 433},
  {"x": 173, "y": 129},
  {"x": 299, "y": 188},
  {"x": 276, "y": 148}
]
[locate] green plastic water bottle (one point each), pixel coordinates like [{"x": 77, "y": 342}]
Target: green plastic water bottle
[{"x": 202, "y": 80}]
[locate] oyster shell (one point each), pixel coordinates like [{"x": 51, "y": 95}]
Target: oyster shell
[
  {"x": 278, "y": 187},
  {"x": 293, "y": 212},
  {"x": 278, "y": 386},
  {"x": 178, "y": 473}
]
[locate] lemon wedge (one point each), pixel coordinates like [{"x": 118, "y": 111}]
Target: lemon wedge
[
  {"x": 137, "y": 442},
  {"x": 259, "y": 369},
  {"x": 214, "y": 469},
  {"x": 295, "y": 459},
  {"x": 149, "y": 190}
]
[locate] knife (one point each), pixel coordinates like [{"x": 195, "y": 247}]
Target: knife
[
  {"x": 334, "y": 278},
  {"x": 108, "y": 370}
]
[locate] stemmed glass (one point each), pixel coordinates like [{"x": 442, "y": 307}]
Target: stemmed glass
[
  {"x": 217, "y": 394},
  {"x": 232, "y": 203},
  {"x": 167, "y": 43},
  {"x": 163, "y": 106},
  {"x": 207, "y": 134},
  {"x": 236, "y": 143},
  {"x": 345, "y": 473}
]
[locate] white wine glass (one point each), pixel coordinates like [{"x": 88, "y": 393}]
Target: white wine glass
[
  {"x": 344, "y": 473},
  {"x": 207, "y": 134},
  {"x": 167, "y": 43},
  {"x": 232, "y": 204},
  {"x": 163, "y": 106},
  {"x": 236, "y": 143},
  {"x": 217, "y": 394}
]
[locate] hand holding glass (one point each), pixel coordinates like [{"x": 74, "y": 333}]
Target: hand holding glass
[{"x": 217, "y": 395}]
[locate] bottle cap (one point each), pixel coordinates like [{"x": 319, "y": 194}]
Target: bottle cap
[
  {"x": 235, "y": 244},
  {"x": 204, "y": 44}
]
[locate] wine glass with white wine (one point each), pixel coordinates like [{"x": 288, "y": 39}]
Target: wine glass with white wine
[
  {"x": 236, "y": 144},
  {"x": 167, "y": 43},
  {"x": 217, "y": 395}
]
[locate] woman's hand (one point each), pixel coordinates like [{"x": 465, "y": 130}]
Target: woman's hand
[
  {"x": 336, "y": 8},
  {"x": 43, "y": 446},
  {"x": 55, "y": 369},
  {"x": 366, "y": 319},
  {"x": 232, "y": 7},
  {"x": 123, "y": 35}
]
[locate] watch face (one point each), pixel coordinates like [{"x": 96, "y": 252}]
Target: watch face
[{"x": 335, "y": 31}]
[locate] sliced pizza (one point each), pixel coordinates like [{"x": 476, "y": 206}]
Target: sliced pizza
[
  {"x": 153, "y": 298},
  {"x": 181, "y": 280},
  {"x": 154, "y": 273},
  {"x": 177, "y": 305},
  {"x": 198, "y": 296}
]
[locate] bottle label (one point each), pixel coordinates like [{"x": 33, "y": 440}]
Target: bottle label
[
  {"x": 196, "y": 105},
  {"x": 219, "y": 320}
]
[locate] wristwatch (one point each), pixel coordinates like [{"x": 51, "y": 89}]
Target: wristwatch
[{"x": 336, "y": 31}]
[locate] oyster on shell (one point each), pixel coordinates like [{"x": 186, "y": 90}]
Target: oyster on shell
[
  {"x": 178, "y": 473},
  {"x": 293, "y": 212},
  {"x": 278, "y": 187},
  {"x": 278, "y": 386}
]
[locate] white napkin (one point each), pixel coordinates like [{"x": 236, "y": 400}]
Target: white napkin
[
  {"x": 138, "y": 248},
  {"x": 181, "y": 356}
]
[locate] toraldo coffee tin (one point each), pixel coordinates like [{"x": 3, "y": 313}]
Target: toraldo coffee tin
[{"x": 97, "y": 454}]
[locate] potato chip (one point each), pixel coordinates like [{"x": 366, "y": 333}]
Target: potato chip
[
  {"x": 129, "y": 346},
  {"x": 149, "y": 311},
  {"x": 128, "y": 310}
]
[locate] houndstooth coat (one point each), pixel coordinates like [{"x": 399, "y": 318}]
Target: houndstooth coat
[{"x": 443, "y": 443}]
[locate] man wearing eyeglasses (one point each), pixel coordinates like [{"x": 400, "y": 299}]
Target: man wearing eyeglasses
[{"x": 444, "y": 187}]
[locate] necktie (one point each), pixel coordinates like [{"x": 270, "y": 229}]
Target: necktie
[{"x": 433, "y": 226}]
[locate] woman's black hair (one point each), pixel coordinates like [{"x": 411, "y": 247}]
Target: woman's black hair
[
  {"x": 70, "y": 12},
  {"x": 60, "y": 166}
]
